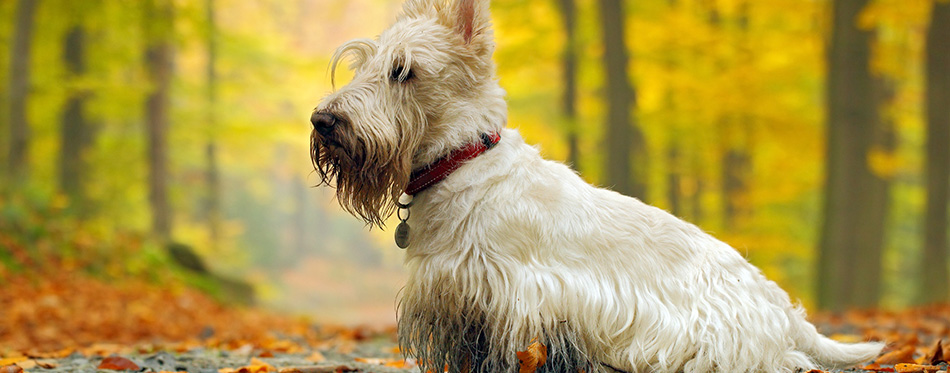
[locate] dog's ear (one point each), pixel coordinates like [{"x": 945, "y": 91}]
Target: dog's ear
[
  {"x": 416, "y": 8},
  {"x": 472, "y": 20}
]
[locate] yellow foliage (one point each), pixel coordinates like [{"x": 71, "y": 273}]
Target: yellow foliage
[
  {"x": 884, "y": 164},
  {"x": 710, "y": 77}
]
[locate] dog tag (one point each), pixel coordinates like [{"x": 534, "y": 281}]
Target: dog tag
[{"x": 402, "y": 235}]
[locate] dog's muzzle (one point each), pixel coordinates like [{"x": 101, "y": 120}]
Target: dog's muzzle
[{"x": 323, "y": 122}]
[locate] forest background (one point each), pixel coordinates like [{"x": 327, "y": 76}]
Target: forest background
[{"x": 812, "y": 135}]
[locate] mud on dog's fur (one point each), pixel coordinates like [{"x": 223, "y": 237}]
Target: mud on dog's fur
[{"x": 511, "y": 247}]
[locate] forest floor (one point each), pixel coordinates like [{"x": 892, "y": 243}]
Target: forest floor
[{"x": 64, "y": 323}]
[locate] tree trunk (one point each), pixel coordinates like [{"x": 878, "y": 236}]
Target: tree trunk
[
  {"x": 674, "y": 179},
  {"x": 75, "y": 131},
  {"x": 699, "y": 214},
  {"x": 737, "y": 136},
  {"x": 626, "y": 153},
  {"x": 872, "y": 223},
  {"x": 18, "y": 161},
  {"x": 736, "y": 167},
  {"x": 934, "y": 279},
  {"x": 676, "y": 169},
  {"x": 569, "y": 63},
  {"x": 212, "y": 176},
  {"x": 213, "y": 202},
  {"x": 851, "y": 119},
  {"x": 158, "y": 60}
]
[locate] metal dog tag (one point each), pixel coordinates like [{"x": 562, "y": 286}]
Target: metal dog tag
[
  {"x": 402, "y": 230},
  {"x": 402, "y": 235}
]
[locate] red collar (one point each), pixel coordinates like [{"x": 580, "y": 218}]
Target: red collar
[{"x": 440, "y": 169}]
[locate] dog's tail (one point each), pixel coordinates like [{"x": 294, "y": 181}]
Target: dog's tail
[{"x": 828, "y": 353}]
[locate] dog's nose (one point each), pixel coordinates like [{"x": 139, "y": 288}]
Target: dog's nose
[{"x": 323, "y": 122}]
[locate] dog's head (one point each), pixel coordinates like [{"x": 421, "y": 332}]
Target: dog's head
[{"x": 423, "y": 87}]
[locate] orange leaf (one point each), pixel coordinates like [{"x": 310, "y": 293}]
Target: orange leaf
[
  {"x": 902, "y": 355},
  {"x": 11, "y": 369},
  {"x": 370, "y": 360},
  {"x": 258, "y": 362},
  {"x": 935, "y": 355},
  {"x": 12, "y": 360},
  {"x": 533, "y": 357},
  {"x": 915, "y": 368},
  {"x": 47, "y": 364},
  {"x": 399, "y": 364},
  {"x": 316, "y": 357},
  {"x": 256, "y": 369},
  {"x": 27, "y": 364},
  {"x": 117, "y": 363}
]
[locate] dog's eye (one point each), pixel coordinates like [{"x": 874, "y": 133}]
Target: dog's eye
[{"x": 401, "y": 74}]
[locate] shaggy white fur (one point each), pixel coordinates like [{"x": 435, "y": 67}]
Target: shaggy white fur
[
  {"x": 531, "y": 250},
  {"x": 512, "y": 247}
]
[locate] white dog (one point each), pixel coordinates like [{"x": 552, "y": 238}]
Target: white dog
[{"x": 506, "y": 247}]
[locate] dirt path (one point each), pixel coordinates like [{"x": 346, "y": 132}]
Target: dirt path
[
  {"x": 369, "y": 356},
  {"x": 376, "y": 355},
  {"x": 59, "y": 324}
]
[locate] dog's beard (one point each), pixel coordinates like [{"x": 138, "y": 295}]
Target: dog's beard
[{"x": 367, "y": 182}]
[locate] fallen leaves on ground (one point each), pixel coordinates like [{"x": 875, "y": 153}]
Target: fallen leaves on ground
[
  {"x": 60, "y": 314},
  {"x": 54, "y": 316},
  {"x": 903, "y": 355},
  {"x": 23, "y": 362},
  {"x": 914, "y": 336},
  {"x": 914, "y": 368}
]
